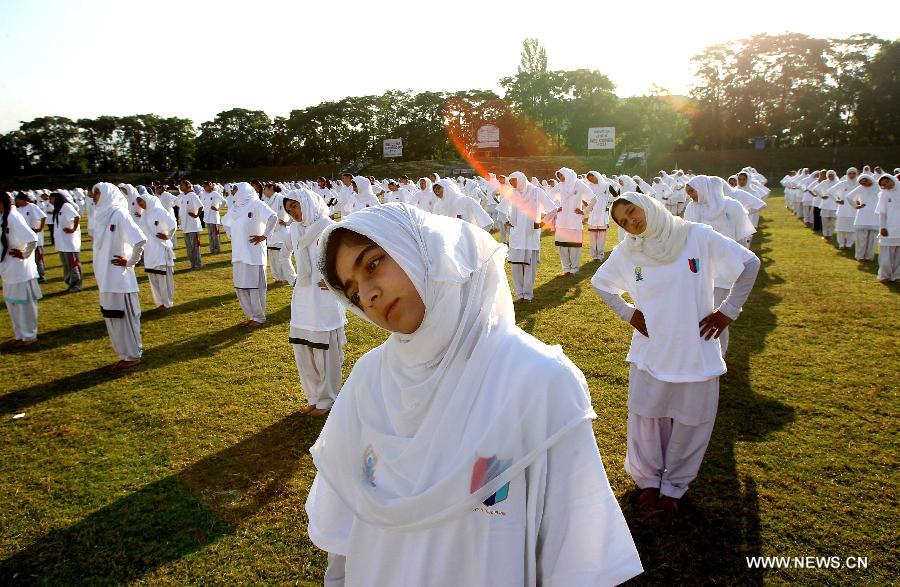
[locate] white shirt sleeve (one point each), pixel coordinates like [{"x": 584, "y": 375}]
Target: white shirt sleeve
[{"x": 583, "y": 538}]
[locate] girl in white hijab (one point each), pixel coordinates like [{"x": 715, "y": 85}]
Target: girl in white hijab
[
  {"x": 425, "y": 198},
  {"x": 598, "y": 214},
  {"x": 249, "y": 223},
  {"x": 18, "y": 272},
  {"x": 365, "y": 196},
  {"x": 709, "y": 205},
  {"x": 523, "y": 209},
  {"x": 888, "y": 210},
  {"x": 279, "y": 257},
  {"x": 158, "y": 225},
  {"x": 454, "y": 204},
  {"x": 670, "y": 268},
  {"x": 460, "y": 451},
  {"x": 845, "y": 232},
  {"x": 571, "y": 195},
  {"x": 36, "y": 220},
  {"x": 67, "y": 228},
  {"x": 751, "y": 203},
  {"x": 317, "y": 318},
  {"x": 827, "y": 206},
  {"x": 864, "y": 198},
  {"x": 118, "y": 246}
]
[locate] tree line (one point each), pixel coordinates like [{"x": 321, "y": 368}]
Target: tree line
[{"x": 784, "y": 90}]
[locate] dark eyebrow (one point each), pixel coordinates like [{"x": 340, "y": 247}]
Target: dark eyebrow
[{"x": 357, "y": 263}]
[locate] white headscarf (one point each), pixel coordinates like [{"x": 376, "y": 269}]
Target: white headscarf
[
  {"x": 244, "y": 195},
  {"x": 710, "y": 197},
  {"x": 111, "y": 197},
  {"x": 315, "y": 219},
  {"x": 664, "y": 234},
  {"x": 364, "y": 188},
  {"x": 421, "y": 410}
]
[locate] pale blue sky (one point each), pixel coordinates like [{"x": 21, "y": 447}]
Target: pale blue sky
[{"x": 92, "y": 57}]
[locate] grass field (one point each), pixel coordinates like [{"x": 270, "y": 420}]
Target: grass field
[{"x": 194, "y": 468}]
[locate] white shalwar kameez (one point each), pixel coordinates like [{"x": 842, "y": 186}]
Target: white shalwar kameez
[
  {"x": 317, "y": 318},
  {"x": 598, "y": 216},
  {"x": 864, "y": 199},
  {"x": 189, "y": 203},
  {"x": 21, "y": 291},
  {"x": 212, "y": 206},
  {"x": 117, "y": 235},
  {"x": 279, "y": 258},
  {"x": 249, "y": 217},
  {"x": 673, "y": 382},
  {"x": 523, "y": 208},
  {"x": 159, "y": 255},
  {"x": 571, "y": 195},
  {"x": 432, "y": 472},
  {"x": 845, "y": 232},
  {"x": 888, "y": 210}
]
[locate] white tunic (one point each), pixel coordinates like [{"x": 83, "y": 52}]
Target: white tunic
[
  {"x": 33, "y": 216},
  {"x": 674, "y": 298},
  {"x": 12, "y": 269},
  {"x": 67, "y": 242},
  {"x": 212, "y": 200},
  {"x": 189, "y": 202},
  {"x": 311, "y": 307},
  {"x": 157, "y": 252},
  {"x": 116, "y": 238},
  {"x": 245, "y": 222}
]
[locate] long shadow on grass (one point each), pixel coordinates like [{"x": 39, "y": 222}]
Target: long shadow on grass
[
  {"x": 88, "y": 331},
  {"x": 204, "y": 344},
  {"x": 718, "y": 525},
  {"x": 558, "y": 290},
  {"x": 171, "y": 518}
]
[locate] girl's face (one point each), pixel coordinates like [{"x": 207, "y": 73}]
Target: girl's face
[
  {"x": 886, "y": 183},
  {"x": 355, "y": 188},
  {"x": 268, "y": 191},
  {"x": 732, "y": 182},
  {"x": 630, "y": 217},
  {"x": 438, "y": 190},
  {"x": 593, "y": 179},
  {"x": 691, "y": 192},
  {"x": 141, "y": 203},
  {"x": 293, "y": 208},
  {"x": 375, "y": 283},
  {"x": 95, "y": 194},
  {"x": 560, "y": 177},
  {"x": 864, "y": 181},
  {"x": 422, "y": 185}
]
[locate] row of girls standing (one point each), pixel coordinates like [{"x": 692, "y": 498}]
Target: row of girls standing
[{"x": 857, "y": 209}]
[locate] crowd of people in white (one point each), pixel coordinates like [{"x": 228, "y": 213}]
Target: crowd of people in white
[{"x": 418, "y": 259}]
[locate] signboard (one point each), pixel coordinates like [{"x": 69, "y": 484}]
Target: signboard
[
  {"x": 393, "y": 147},
  {"x": 603, "y": 137},
  {"x": 488, "y": 137}
]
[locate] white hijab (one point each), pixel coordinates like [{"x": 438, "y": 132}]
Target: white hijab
[
  {"x": 111, "y": 198},
  {"x": 710, "y": 197},
  {"x": 315, "y": 219},
  {"x": 664, "y": 234},
  {"x": 420, "y": 410}
]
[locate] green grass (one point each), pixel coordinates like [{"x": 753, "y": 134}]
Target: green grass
[{"x": 194, "y": 468}]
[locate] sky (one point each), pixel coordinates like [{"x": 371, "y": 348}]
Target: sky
[{"x": 194, "y": 58}]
